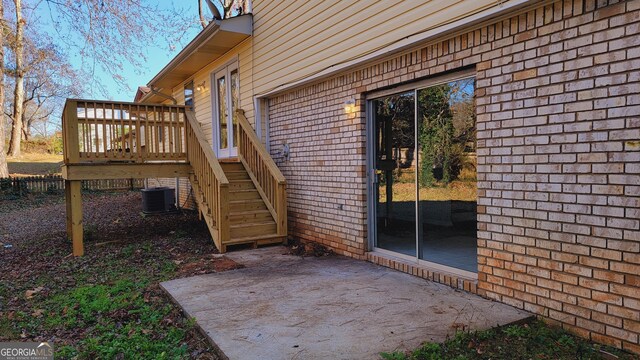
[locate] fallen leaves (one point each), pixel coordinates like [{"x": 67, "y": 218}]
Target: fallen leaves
[
  {"x": 311, "y": 249},
  {"x": 31, "y": 293},
  {"x": 37, "y": 268}
]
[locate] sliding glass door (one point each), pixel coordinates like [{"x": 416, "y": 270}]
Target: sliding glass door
[
  {"x": 394, "y": 122},
  {"x": 424, "y": 173}
]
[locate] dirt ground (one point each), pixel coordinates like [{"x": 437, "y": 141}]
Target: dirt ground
[{"x": 38, "y": 274}]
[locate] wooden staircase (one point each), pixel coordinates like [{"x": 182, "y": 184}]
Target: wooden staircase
[
  {"x": 243, "y": 200},
  {"x": 250, "y": 220}
]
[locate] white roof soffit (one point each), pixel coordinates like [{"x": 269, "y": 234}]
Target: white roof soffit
[
  {"x": 500, "y": 9},
  {"x": 216, "y": 39}
]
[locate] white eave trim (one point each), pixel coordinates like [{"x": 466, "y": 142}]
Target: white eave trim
[
  {"x": 242, "y": 24},
  {"x": 410, "y": 41}
]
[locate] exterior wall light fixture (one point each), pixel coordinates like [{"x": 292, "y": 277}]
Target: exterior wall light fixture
[
  {"x": 201, "y": 86},
  {"x": 350, "y": 106}
]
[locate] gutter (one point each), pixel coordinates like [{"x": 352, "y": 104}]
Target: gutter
[{"x": 500, "y": 9}]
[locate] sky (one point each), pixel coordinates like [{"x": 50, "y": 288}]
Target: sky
[{"x": 157, "y": 58}]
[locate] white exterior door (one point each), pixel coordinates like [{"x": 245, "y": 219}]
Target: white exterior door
[{"x": 225, "y": 98}]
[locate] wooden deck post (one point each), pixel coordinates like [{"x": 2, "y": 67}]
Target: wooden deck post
[
  {"x": 67, "y": 197},
  {"x": 70, "y": 133},
  {"x": 74, "y": 215}
]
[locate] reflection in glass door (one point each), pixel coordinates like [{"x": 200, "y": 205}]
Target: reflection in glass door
[
  {"x": 226, "y": 95},
  {"x": 447, "y": 174},
  {"x": 394, "y": 119},
  {"x": 424, "y": 186}
]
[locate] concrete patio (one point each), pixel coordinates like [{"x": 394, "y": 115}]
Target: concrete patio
[{"x": 289, "y": 307}]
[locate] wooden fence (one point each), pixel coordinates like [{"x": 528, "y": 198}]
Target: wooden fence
[{"x": 54, "y": 183}]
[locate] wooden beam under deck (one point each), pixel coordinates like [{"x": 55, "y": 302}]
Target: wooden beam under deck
[{"x": 124, "y": 171}]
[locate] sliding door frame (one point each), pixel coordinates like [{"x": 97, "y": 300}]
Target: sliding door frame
[{"x": 372, "y": 179}]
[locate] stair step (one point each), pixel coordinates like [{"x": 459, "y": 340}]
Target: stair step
[
  {"x": 237, "y": 175},
  {"x": 244, "y": 194},
  {"x": 241, "y": 185},
  {"x": 246, "y": 205},
  {"x": 260, "y": 240},
  {"x": 249, "y": 220},
  {"x": 250, "y": 217},
  {"x": 232, "y": 166},
  {"x": 253, "y": 229}
]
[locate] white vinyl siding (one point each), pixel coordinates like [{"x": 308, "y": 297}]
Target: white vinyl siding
[{"x": 295, "y": 39}]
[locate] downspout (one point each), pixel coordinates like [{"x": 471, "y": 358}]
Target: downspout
[{"x": 168, "y": 97}]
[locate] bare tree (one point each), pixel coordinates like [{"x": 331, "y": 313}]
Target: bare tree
[
  {"x": 114, "y": 34},
  {"x": 49, "y": 79},
  {"x": 4, "y": 171},
  {"x": 106, "y": 34},
  {"x": 18, "y": 92}
]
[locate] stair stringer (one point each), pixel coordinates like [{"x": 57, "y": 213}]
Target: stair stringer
[{"x": 203, "y": 210}]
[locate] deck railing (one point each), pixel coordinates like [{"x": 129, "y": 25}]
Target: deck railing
[
  {"x": 211, "y": 180},
  {"x": 264, "y": 172},
  {"x": 106, "y": 131},
  {"x": 96, "y": 131}
]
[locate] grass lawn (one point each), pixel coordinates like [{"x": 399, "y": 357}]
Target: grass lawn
[
  {"x": 534, "y": 340},
  {"x": 463, "y": 189},
  {"x": 29, "y": 164},
  {"x": 107, "y": 304}
]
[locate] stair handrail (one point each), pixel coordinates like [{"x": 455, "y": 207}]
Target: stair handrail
[
  {"x": 214, "y": 184},
  {"x": 264, "y": 172}
]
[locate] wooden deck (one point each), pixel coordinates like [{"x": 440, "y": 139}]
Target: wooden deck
[{"x": 243, "y": 200}]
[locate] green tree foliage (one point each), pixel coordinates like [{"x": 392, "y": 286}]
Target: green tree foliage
[
  {"x": 395, "y": 113},
  {"x": 435, "y": 133},
  {"x": 446, "y": 130}
]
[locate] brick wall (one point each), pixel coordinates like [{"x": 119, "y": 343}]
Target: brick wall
[
  {"x": 559, "y": 175},
  {"x": 326, "y": 184},
  {"x": 558, "y": 105}
]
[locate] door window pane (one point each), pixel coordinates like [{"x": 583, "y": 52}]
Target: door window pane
[
  {"x": 447, "y": 174},
  {"x": 394, "y": 119},
  {"x": 222, "y": 112},
  {"x": 235, "y": 80}
]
